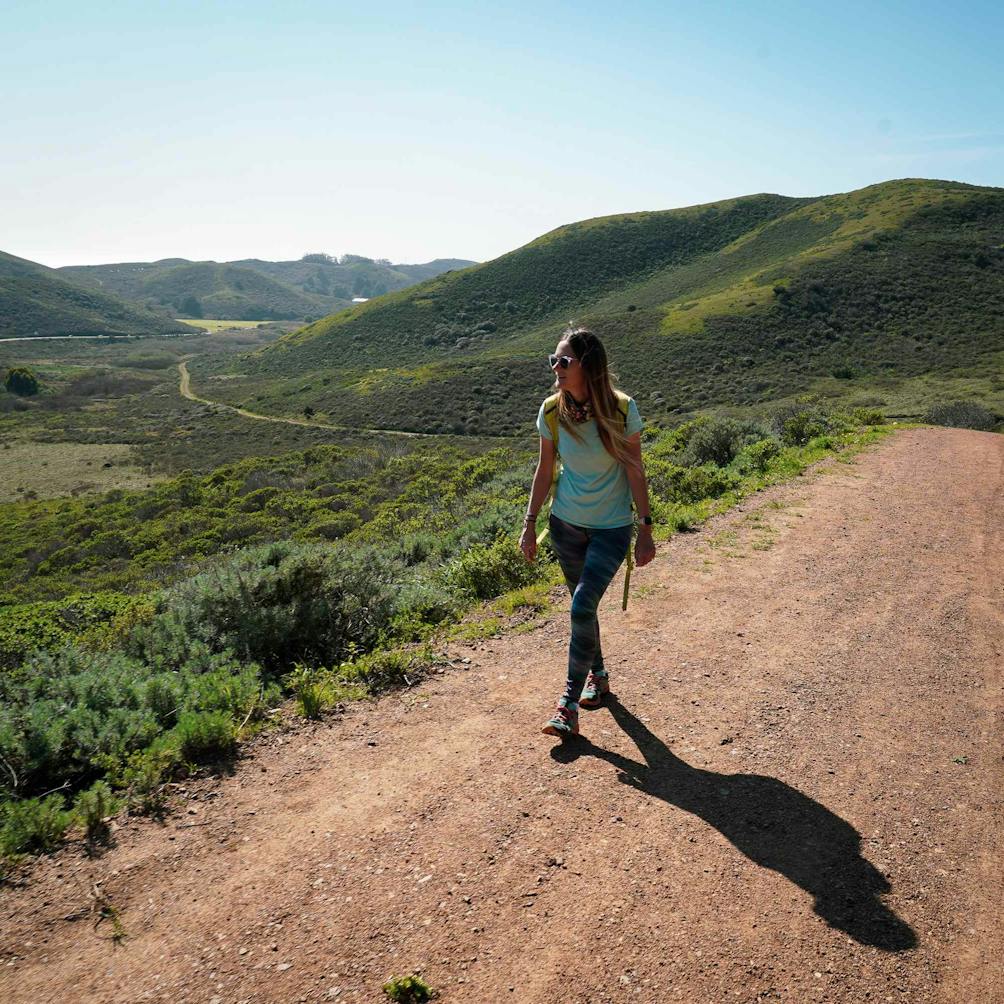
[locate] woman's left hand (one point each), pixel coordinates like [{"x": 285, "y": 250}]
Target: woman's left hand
[{"x": 644, "y": 548}]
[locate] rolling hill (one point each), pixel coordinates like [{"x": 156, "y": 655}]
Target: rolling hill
[
  {"x": 254, "y": 289},
  {"x": 730, "y": 304},
  {"x": 36, "y": 300}
]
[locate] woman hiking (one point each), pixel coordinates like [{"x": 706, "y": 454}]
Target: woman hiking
[{"x": 596, "y": 431}]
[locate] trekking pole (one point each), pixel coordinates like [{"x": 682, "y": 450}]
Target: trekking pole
[{"x": 627, "y": 573}]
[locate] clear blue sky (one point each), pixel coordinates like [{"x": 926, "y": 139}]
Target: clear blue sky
[{"x": 134, "y": 131}]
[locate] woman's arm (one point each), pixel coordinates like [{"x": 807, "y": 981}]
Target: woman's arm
[
  {"x": 542, "y": 478},
  {"x": 644, "y": 550}
]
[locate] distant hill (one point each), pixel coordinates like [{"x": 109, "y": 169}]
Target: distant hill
[
  {"x": 253, "y": 289},
  {"x": 729, "y": 304},
  {"x": 36, "y": 300}
]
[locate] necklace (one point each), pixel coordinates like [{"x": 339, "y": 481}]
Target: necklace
[{"x": 580, "y": 412}]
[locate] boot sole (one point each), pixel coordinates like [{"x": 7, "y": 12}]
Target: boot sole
[{"x": 553, "y": 730}]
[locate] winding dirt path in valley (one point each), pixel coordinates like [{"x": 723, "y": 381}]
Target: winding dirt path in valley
[
  {"x": 796, "y": 796},
  {"x": 185, "y": 389}
]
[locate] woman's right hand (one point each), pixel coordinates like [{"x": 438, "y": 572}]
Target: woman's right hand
[{"x": 528, "y": 542}]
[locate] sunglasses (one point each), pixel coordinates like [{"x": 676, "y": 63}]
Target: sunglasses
[{"x": 563, "y": 361}]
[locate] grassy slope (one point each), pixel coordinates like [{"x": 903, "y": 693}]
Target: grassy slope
[
  {"x": 882, "y": 285},
  {"x": 38, "y": 300}
]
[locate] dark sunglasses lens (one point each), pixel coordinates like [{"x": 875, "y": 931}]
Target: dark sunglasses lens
[{"x": 559, "y": 360}]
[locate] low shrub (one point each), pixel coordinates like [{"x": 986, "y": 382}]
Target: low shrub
[
  {"x": 382, "y": 670},
  {"x": 422, "y": 603},
  {"x": 867, "y": 416},
  {"x": 21, "y": 381},
  {"x": 962, "y": 415},
  {"x": 757, "y": 456},
  {"x": 142, "y": 776},
  {"x": 714, "y": 442},
  {"x": 33, "y": 825},
  {"x": 308, "y": 689},
  {"x": 822, "y": 443},
  {"x": 415, "y": 548},
  {"x": 706, "y": 482},
  {"x": 795, "y": 424},
  {"x": 686, "y": 485},
  {"x": 65, "y": 711},
  {"x": 334, "y": 526},
  {"x": 489, "y": 525},
  {"x": 92, "y": 808},
  {"x": 278, "y": 604},
  {"x": 408, "y": 990},
  {"x": 71, "y": 715},
  {"x": 483, "y": 571},
  {"x": 234, "y": 688},
  {"x": 202, "y": 736},
  {"x": 96, "y": 620}
]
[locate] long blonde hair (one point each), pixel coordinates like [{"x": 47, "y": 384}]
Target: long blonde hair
[{"x": 610, "y": 425}]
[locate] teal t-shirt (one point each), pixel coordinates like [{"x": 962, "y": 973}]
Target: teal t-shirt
[{"x": 593, "y": 488}]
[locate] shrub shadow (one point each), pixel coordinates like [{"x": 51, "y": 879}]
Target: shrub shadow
[{"x": 774, "y": 825}]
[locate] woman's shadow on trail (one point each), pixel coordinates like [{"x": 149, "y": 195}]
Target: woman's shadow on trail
[{"x": 774, "y": 825}]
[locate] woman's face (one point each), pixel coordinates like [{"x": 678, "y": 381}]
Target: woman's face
[{"x": 572, "y": 379}]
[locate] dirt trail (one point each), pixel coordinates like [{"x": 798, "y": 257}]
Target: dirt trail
[
  {"x": 185, "y": 390},
  {"x": 796, "y": 796}
]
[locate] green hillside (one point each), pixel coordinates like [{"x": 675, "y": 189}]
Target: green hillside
[
  {"x": 35, "y": 300},
  {"x": 725, "y": 305},
  {"x": 328, "y": 280},
  {"x": 254, "y": 289}
]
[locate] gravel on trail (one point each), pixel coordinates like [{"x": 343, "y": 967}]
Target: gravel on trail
[{"x": 794, "y": 796}]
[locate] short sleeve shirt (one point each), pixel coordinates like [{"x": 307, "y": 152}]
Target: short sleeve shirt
[{"x": 593, "y": 489}]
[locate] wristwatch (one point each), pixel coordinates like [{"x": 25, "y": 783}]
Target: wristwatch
[{"x": 647, "y": 520}]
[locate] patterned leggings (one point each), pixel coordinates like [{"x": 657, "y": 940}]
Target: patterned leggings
[{"x": 589, "y": 558}]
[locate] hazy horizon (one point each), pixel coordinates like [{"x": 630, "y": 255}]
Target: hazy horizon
[{"x": 214, "y": 133}]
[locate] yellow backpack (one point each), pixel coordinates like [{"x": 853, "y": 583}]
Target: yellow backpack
[{"x": 551, "y": 418}]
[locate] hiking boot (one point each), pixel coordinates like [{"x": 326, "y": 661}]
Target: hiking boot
[
  {"x": 597, "y": 687},
  {"x": 563, "y": 722}
]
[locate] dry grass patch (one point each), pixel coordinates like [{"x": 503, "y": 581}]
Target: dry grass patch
[{"x": 50, "y": 470}]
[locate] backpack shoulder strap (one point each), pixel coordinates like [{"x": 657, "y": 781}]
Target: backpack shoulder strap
[{"x": 551, "y": 417}]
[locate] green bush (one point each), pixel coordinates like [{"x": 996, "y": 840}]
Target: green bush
[
  {"x": 71, "y": 715},
  {"x": 142, "y": 776},
  {"x": 380, "y": 671},
  {"x": 867, "y": 416},
  {"x": 495, "y": 521},
  {"x": 66, "y": 711},
  {"x": 484, "y": 571},
  {"x": 795, "y": 424},
  {"x": 822, "y": 443},
  {"x": 421, "y": 603},
  {"x": 685, "y": 485},
  {"x": 231, "y": 687},
  {"x": 308, "y": 689},
  {"x": 203, "y": 736},
  {"x": 757, "y": 456},
  {"x": 707, "y": 482},
  {"x": 416, "y": 548},
  {"x": 332, "y": 526},
  {"x": 21, "y": 381},
  {"x": 93, "y": 807},
  {"x": 92, "y": 618},
  {"x": 714, "y": 442},
  {"x": 33, "y": 825},
  {"x": 962, "y": 415},
  {"x": 408, "y": 990},
  {"x": 279, "y": 604}
]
